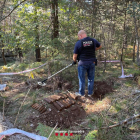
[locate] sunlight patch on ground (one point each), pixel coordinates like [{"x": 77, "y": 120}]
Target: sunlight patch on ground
[{"x": 99, "y": 106}]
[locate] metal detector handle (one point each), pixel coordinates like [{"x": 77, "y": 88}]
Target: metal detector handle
[
  {"x": 57, "y": 72},
  {"x": 44, "y": 80}
]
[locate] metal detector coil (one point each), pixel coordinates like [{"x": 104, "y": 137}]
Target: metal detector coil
[{"x": 41, "y": 84}]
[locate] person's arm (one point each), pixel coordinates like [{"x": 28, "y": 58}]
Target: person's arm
[
  {"x": 75, "y": 52},
  {"x": 98, "y": 47},
  {"x": 75, "y": 57}
]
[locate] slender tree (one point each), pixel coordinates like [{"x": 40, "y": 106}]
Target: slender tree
[
  {"x": 36, "y": 32},
  {"x": 54, "y": 18}
]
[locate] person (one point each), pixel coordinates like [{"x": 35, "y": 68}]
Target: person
[{"x": 84, "y": 51}]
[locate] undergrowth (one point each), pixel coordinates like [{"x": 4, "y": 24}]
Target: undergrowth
[{"x": 101, "y": 126}]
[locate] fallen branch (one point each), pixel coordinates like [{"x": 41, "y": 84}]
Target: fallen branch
[
  {"x": 83, "y": 127},
  {"x": 133, "y": 102},
  {"x": 132, "y": 122},
  {"x": 52, "y": 130},
  {"x": 126, "y": 122},
  {"x": 136, "y": 99}
]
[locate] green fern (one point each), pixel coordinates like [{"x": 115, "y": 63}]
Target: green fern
[{"x": 92, "y": 135}]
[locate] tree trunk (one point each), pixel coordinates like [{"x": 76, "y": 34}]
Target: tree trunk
[
  {"x": 93, "y": 17},
  {"x": 4, "y": 60},
  {"x": 37, "y": 48},
  {"x": 137, "y": 37},
  {"x": 1, "y": 41},
  {"x": 20, "y": 54},
  {"x": 1, "y": 46},
  {"x": 134, "y": 50},
  {"x": 124, "y": 34},
  {"x": 54, "y": 18},
  {"x": 136, "y": 34}
]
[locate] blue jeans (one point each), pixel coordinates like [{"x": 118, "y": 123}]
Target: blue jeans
[{"x": 82, "y": 69}]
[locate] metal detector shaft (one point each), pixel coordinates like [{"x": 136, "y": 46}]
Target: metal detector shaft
[{"x": 54, "y": 74}]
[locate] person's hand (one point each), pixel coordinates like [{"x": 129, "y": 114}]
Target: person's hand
[{"x": 74, "y": 62}]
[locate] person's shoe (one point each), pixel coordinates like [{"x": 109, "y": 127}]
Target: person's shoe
[
  {"x": 85, "y": 95},
  {"x": 78, "y": 94},
  {"x": 90, "y": 95}
]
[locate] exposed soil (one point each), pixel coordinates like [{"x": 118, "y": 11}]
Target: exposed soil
[
  {"x": 69, "y": 116},
  {"x": 65, "y": 118},
  {"x": 101, "y": 88}
]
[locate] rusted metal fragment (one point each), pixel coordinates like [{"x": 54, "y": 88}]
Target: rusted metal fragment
[
  {"x": 64, "y": 103},
  {"x": 57, "y": 106},
  {"x": 72, "y": 101},
  {"x": 60, "y": 104},
  {"x": 43, "y": 110},
  {"x": 63, "y": 96},
  {"x": 40, "y": 108},
  {"x": 68, "y": 102},
  {"x": 48, "y": 100},
  {"x": 35, "y": 106},
  {"x": 54, "y": 97},
  {"x": 70, "y": 95}
]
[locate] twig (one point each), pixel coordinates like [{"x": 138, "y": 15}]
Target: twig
[
  {"x": 124, "y": 121},
  {"x": 133, "y": 102},
  {"x": 22, "y": 104},
  {"x": 52, "y": 131},
  {"x": 3, "y": 108},
  {"x": 82, "y": 126},
  {"x": 129, "y": 105},
  {"x": 128, "y": 123}
]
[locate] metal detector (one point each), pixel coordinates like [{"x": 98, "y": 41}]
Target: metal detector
[{"x": 43, "y": 82}]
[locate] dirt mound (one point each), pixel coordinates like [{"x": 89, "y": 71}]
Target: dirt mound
[
  {"x": 64, "y": 119},
  {"x": 62, "y": 109},
  {"x": 66, "y": 109}
]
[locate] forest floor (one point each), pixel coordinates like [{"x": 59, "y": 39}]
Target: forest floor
[{"x": 114, "y": 100}]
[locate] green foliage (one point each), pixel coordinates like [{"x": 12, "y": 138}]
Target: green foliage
[
  {"x": 22, "y": 66},
  {"x": 92, "y": 135},
  {"x": 116, "y": 133},
  {"x": 118, "y": 106},
  {"x": 134, "y": 9}
]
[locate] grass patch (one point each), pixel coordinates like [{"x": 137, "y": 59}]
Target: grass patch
[
  {"x": 92, "y": 135},
  {"x": 121, "y": 97},
  {"x": 46, "y": 130}
]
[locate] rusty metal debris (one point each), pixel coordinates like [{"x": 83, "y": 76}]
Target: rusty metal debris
[
  {"x": 40, "y": 108},
  {"x": 60, "y": 102}
]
